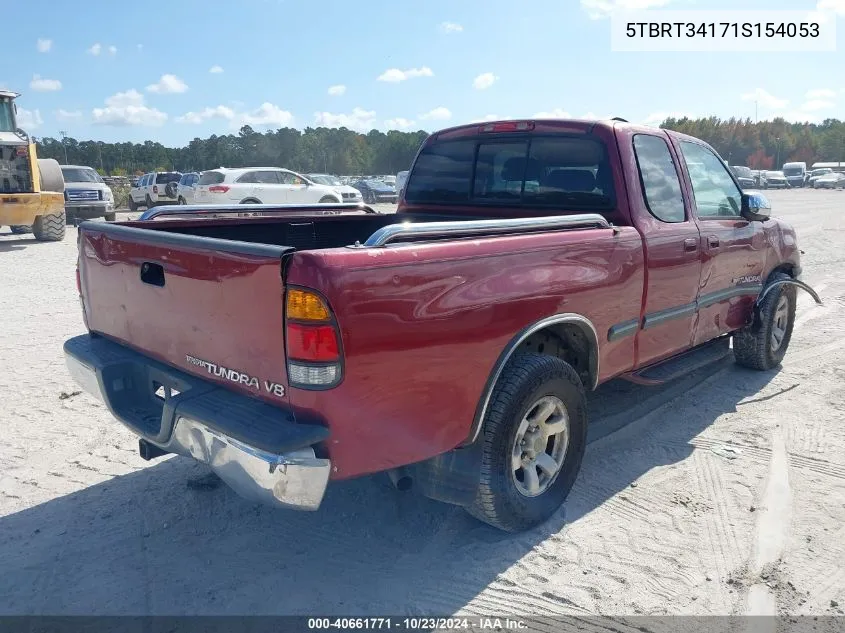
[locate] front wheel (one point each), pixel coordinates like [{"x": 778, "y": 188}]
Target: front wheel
[
  {"x": 181, "y": 200},
  {"x": 132, "y": 205},
  {"x": 110, "y": 217},
  {"x": 533, "y": 439},
  {"x": 20, "y": 229},
  {"x": 763, "y": 344},
  {"x": 50, "y": 227}
]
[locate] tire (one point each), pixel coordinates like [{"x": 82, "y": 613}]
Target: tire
[
  {"x": 181, "y": 200},
  {"x": 20, "y": 229},
  {"x": 763, "y": 344},
  {"x": 148, "y": 202},
  {"x": 110, "y": 217},
  {"x": 504, "y": 499},
  {"x": 50, "y": 227},
  {"x": 132, "y": 205},
  {"x": 328, "y": 200},
  {"x": 250, "y": 201},
  {"x": 51, "y": 175}
]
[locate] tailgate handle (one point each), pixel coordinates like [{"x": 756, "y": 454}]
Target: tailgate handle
[{"x": 152, "y": 274}]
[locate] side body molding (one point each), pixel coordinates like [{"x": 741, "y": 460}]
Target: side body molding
[{"x": 583, "y": 323}]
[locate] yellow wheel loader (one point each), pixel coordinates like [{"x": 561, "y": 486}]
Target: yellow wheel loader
[{"x": 32, "y": 190}]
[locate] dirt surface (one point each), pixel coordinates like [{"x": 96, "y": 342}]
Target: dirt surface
[{"x": 721, "y": 493}]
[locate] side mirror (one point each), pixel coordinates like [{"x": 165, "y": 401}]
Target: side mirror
[{"x": 755, "y": 207}]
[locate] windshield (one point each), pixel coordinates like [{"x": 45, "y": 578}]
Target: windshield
[
  {"x": 323, "y": 179},
  {"x": 541, "y": 171},
  {"x": 80, "y": 174},
  {"x": 821, "y": 172},
  {"x": 7, "y": 119},
  {"x": 793, "y": 171}
]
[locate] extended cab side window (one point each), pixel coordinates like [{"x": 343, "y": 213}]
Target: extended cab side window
[
  {"x": 716, "y": 193},
  {"x": 661, "y": 187}
]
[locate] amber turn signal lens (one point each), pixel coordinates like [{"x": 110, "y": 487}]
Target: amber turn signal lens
[{"x": 306, "y": 306}]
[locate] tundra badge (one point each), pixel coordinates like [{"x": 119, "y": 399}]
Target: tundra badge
[{"x": 238, "y": 377}]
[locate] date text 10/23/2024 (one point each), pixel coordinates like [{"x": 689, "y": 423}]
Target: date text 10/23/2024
[{"x": 421, "y": 623}]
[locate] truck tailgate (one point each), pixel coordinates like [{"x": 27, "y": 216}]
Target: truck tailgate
[{"x": 211, "y": 307}]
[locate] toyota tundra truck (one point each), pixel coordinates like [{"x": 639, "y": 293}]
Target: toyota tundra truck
[{"x": 449, "y": 345}]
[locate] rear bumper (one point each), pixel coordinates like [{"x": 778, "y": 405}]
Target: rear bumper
[{"x": 257, "y": 449}]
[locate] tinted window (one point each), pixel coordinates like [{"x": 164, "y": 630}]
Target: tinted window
[
  {"x": 211, "y": 178},
  {"x": 715, "y": 192},
  {"x": 661, "y": 187},
  {"x": 167, "y": 176},
  {"x": 540, "y": 171}
]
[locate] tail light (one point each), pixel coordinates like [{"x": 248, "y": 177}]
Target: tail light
[
  {"x": 218, "y": 189},
  {"x": 314, "y": 357}
]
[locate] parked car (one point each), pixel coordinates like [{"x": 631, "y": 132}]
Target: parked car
[
  {"x": 375, "y": 191},
  {"x": 815, "y": 174},
  {"x": 833, "y": 180},
  {"x": 289, "y": 351},
  {"x": 743, "y": 176},
  {"x": 390, "y": 180},
  {"x": 87, "y": 195},
  {"x": 186, "y": 188},
  {"x": 262, "y": 185},
  {"x": 794, "y": 173},
  {"x": 348, "y": 194},
  {"x": 401, "y": 179},
  {"x": 152, "y": 190},
  {"x": 776, "y": 180}
]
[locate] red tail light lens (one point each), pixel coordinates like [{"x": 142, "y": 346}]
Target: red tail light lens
[
  {"x": 508, "y": 126},
  {"x": 314, "y": 343},
  {"x": 218, "y": 189}
]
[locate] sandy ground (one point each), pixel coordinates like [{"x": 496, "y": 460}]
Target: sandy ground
[{"x": 722, "y": 493}]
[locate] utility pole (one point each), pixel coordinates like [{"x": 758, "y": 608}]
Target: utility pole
[
  {"x": 64, "y": 136},
  {"x": 777, "y": 160}
]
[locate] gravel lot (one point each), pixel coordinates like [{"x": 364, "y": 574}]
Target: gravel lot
[{"x": 722, "y": 493}]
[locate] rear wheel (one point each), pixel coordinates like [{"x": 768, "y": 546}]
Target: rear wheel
[
  {"x": 50, "y": 227},
  {"x": 20, "y": 229},
  {"x": 533, "y": 439},
  {"x": 763, "y": 344},
  {"x": 110, "y": 217},
  {"x": 181, "y": 200}
]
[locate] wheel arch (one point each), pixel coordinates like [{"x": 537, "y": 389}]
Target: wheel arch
[{"x": 577, "y": 334}]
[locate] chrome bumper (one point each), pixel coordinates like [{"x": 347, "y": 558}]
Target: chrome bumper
[{"x": 295, "y": 480}]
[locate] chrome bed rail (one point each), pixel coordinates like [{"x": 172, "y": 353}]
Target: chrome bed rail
[{"x": 250, "y": 210}]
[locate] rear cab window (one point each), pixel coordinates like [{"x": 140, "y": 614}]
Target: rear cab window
[
  {"x": 659, "y": 178},
  {"x": 538, "y": 171}
]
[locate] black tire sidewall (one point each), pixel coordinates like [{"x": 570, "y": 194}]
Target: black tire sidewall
[
  {"x": 767, "y": 320},
  {"x": 508, "y": 499}
]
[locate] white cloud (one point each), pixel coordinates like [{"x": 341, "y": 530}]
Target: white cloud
[
  {"x": 656, "y": 118},
  {"x": 450, "y": 27},
  {"x": 811, "y": 105},
  {"x": 127, "y": 108},
  {"x": 112, "y": 50},
  {"x": 765, "y": 99},
  {"x": 336, "y": 91},
  {"x": 394, "y": 75},
  {"x": 489, "y": 117},
  {"x": 43, "y": 45},
  {"x": 266, "y": 114},
  {"x": 67, "y": 115},
  {"x": 820, "y": 93},
  {"x": 359, "y": 120},
  {"x": 557, "y": 113},
  {"x": 797, "y": 116},
  {"x": 39, "y": 84},
  {"x": 438, "y": 114},
  {"x": 96, "y": 49},
  {"x": 168, "y": 84},
  {"x": 484, "y": 81},
  {"x": 29, "y": 119},
  {"x": 836, "y": 6},
  {"x": 399, "y": 123},
  {"x": 215, "y": 70},
  {"x": 219, "y": 112},
  {"x": 598, "y": 9}
]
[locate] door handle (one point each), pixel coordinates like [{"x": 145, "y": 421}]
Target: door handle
[
  {"x": 690, "y": 244},
  {"x": 713, "y": 241}
]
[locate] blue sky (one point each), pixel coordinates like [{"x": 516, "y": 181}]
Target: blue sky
[{"x": 120, "y": 72}]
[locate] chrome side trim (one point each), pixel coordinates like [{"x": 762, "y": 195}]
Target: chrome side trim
[
  {"x": 197, "y": 210},
  {"x": 586, "y": 326},
  {"x": 782, "y": 282},
  {"x": 387, "y": 234}
]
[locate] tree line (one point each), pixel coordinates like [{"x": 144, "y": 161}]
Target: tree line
[{"x": 760, "y": 145}]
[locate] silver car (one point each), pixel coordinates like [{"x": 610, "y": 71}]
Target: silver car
[{"x": 86, "y": 194}]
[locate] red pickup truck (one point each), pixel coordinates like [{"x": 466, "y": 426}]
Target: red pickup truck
[{"x": 450, "y": 345}]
